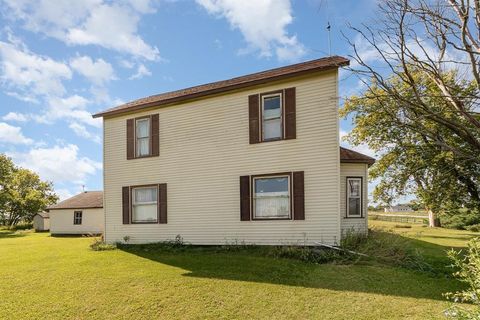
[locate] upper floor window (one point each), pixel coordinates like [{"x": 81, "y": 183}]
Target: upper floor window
[
  {"x": 272, "y": 115},
  {"x": 354, "y": 197},
  {"x": 271, "y": 197},
  {"x": 77, "y": 217},
  {"x": 142, "y": 137}
]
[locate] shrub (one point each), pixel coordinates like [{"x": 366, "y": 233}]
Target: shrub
[
  {"x": 99, "y": 245},
  {"x": 468, "y": 266},
  {"x": 460, "y": 219},
  {"x": 308, "y": 254},
  {"x": 20, "y": 226},
  {"x": 473, "y": 227},
  {"x": 386, "y": 247}
]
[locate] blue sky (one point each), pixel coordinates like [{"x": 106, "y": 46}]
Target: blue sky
[{"x": 62, "y": 60}]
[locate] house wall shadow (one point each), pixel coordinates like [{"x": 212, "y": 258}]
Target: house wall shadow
[{"x": 248, "y": 265}]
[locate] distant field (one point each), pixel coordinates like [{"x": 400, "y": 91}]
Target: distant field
[{"x": 61, "y": 278}]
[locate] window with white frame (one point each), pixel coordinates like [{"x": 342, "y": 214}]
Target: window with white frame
[
  {"x": 354, "y": 197},
  {"x": 142, "y": 135},
  {"x": 271, "y": 197},
  {"x": 272, "y": 123},
  {"x": 77, "y": 217},
  {"x": 144, "y": 204}
]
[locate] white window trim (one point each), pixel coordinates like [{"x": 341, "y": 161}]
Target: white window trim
[
  {"x": 289, "y": 197},
  {"x": 75, "y": 217},
  {"x": 347, "y": 204},
  {"x": 148, "y": 137},
  {"x": 263, "y": 97},
  {"x": 134, "y": 204}
]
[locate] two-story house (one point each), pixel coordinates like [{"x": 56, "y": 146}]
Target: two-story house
[{"x": 253, "y": 159}]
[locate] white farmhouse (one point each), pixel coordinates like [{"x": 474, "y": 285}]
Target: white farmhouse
[{"x": 254, "y": 158}]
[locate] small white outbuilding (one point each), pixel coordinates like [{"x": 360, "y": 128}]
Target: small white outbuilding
[
  {"x": 41, "y": 221},
  {"x": 80, "y": 214}
]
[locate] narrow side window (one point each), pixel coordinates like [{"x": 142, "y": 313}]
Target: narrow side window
[
  {"x": 142, "y": 137},
  {"x": 272, "y": 117},
  {"x": 77, "y": 217},
  {"x": 354, "y": 197}
]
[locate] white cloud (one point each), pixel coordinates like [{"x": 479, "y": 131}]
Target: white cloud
[
  {"x": 15, "y": 116},
  {"x": 142, "y": 6},
  {"x": 113, "y": 27},
  {"x": 58, "y": 164},
  {"x": 142, "y": 71},
  {"x": 72, "y": 107},
  {"x": 63, "y": 193},
  {"x": 99, "y": 71},
  {"x": 263, "y": 24},
  {"x": 87, "y": 22},
  {"x": 12, "y": 135},
  {"x": 126, "y": 64},
  {"x": 29, "y": 73},
  {"x": 81, "y": 131}
]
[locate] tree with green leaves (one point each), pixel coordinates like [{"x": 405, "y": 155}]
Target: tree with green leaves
[
  {"x": 420, "y": 108},
  {"x": 22, "y": 193}
]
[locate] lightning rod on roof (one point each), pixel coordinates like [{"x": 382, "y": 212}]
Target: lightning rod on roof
[{"x": 329, "y": 39}]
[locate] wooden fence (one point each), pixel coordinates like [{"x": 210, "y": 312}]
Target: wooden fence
[{"x": 399, "y": 218}]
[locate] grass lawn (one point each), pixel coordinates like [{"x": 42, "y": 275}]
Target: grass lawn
[{"x": 58, "y": 278}]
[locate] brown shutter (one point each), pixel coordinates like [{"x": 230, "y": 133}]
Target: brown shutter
[
  {"x": 298, "y": 196},
  {"x": 254, "y": 118},
  {"x": 244, "y": 198},
  {"x": 290, "y": 114},
  {"x": 126, "y": 205},
  {"x": 162, "y": 203},
  {"x": 154, "y": 133},
  {"x": 130, "y": 139}
]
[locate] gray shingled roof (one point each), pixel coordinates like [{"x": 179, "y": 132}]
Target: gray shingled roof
[{"x": 84, "y": 200}]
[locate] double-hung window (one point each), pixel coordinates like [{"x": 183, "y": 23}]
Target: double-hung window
[
  {"x": 272, "y": 113},
  {"x": 144, "y": 204},
  {"x": 271, "y": 197},
  {"x": 77, "y": 217},
  {"x": 354, "y": 197},
  {"x": 142, "y": 137}
]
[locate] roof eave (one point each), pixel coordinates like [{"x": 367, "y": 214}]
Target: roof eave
[
  {"x": 370, "y": 162},
  {"x": 71, "y": 208},
  {"x": 220, "y": 90}
]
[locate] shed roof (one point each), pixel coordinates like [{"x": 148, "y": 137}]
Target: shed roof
[
  {"x": 227, "y": 85},
  {"x": 43, "y": 214},
  {"x": 350, "y": 156},
  {"x": 84, "y": 200}
]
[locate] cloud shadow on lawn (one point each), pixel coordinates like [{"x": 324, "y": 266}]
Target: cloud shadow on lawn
[{"x": 248, "y": 265}]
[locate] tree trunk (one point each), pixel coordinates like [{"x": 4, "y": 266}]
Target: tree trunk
[{"x": 433, "y": 221}]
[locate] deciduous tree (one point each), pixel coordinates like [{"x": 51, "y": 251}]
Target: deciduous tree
[{"x": 420, "y": 109}]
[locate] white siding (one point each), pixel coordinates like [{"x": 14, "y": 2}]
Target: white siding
[
  {"x": 61, "y": 221},
  {"x": 204, "y": 149},
  {"x": 40, "y": 223},
  {"x": 353, "y": 170}
]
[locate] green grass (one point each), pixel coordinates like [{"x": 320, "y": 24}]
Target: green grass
[{"x": 59, "y": 278}]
